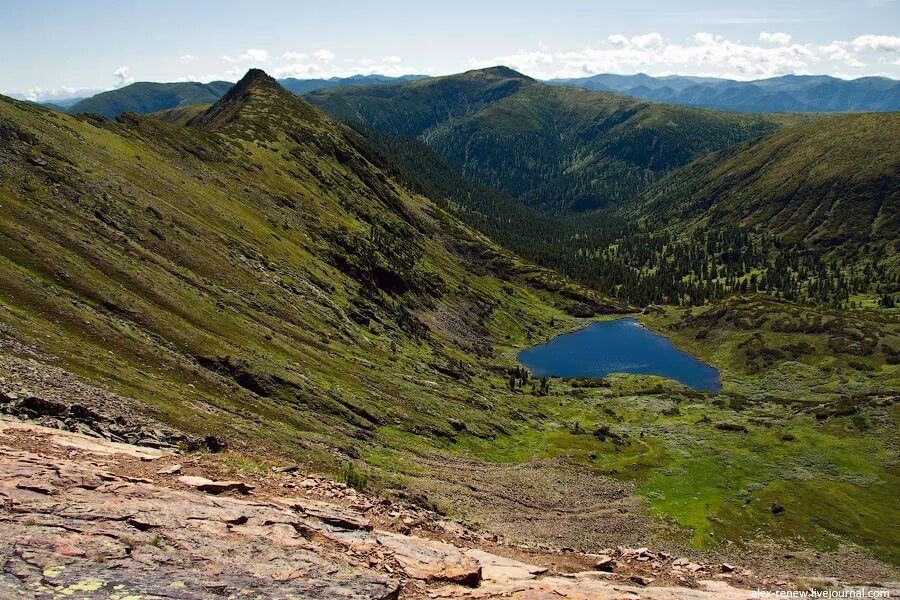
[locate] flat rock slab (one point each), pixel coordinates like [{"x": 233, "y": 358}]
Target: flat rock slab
[
  {"x": 215, "y": 487},
  {"x": 82, "y": 442},
  {"x": 71, "y": 530},
  {"x": 500, "y": 568},
  {"x": 327, "y": 513},
  {"x": 555, "y": 588},
  {"x": 430, "y": 560}
]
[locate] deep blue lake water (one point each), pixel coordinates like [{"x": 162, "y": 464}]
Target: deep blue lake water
[{"x": 620, "y": 346}]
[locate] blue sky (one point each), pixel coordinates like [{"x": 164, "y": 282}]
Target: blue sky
[{"x": 54, "y": 48}]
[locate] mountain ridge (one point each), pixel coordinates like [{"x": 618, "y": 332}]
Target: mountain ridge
[
  {"x": 150, "y": 97},
  {"x": 259, "y": 269},
  {"x": 559, "y": 149},
  {"x": 787, "y": 93}
]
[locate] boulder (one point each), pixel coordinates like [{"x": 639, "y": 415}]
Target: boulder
[
  {"x": 331, "y": 514},
  {"x": 500, "y": 568},
  {"x": 215, "y": 487},
  {"x": 605, "y": 563},
  {"x": 173, "y": 470}
]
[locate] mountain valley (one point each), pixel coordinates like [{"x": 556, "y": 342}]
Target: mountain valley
[{"x": 257, "y": 284}]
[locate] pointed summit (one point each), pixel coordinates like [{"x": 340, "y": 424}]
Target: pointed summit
[{"x": 256, "y": 99}]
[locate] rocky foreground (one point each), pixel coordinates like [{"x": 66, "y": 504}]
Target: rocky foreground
[{"x": 84, "y": 517}]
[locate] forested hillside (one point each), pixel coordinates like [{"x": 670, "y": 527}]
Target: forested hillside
[
  {"x": 558, "y": 149},
  {"x": 768, "y": 215},
  {"x": 148, "y": 97}
]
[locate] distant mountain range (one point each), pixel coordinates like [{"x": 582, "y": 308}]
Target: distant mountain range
[
  {"x": 301, "y": 86},
  {"x": 148, "y": 97},
  {"x": 789, "y": 93},
  {"x": 557, "y": 149}
]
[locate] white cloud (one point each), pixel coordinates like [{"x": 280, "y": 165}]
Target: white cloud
[
  {"x": 779, "y": 37},
  {"x": 878, "y": 43},
  {"x": 253, "y": 55},
  {"x": 703, "y": 38},
  {"x": 37, "y": 94},
  {"x": 298, "y": 70},
  {"x": 324, "y": 55},
  {"x": 186, "y": 58},
  {"x": 295, "y": 56},
  {"x": 838, "y": 51},
  {"x": 705, "y": 53},
  {"x": 647, "y": 40},
  {"x": 391, "y": 59},
  {"x": 123, "y": 76}
]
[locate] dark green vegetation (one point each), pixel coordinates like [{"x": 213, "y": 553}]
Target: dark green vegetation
[
  {"x": 833, "y": 185},
  {"x": 819, "y": 206},
  {"x": 560, "y": 149},
  {"x": 796, "y": 93},
  {"x": 257, "y": 274},
  {"x": 768, "y": 215},
  {"x": 798, "y": 448},
  {"x": 148, "y": 97},
  {"x": 257, "y": 270}
]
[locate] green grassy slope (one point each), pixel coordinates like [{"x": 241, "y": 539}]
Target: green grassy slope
[
  {"x": 266, "y": 276},
  {"x": 257, "y": 275},
  {"x": 831, "y": 186},
  {"x": 148, "y": 97},
  {"x": 559, "y": 149},
  {"x": 180, "y": 115}
]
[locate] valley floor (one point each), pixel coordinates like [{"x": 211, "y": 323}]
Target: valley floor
[{"x": 84, "y": 517}]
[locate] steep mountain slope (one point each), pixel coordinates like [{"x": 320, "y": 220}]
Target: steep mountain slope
[
  {"x": 559, "y": 149},
  {"x": 258, "y": 276},
  {"x": 493, "y": 212},
  {"x": 267, "y": 277},
  {"x": 672, "y": 258},
  {"x": 147, "y": 97},
  {"x": 181, "y": 114},
  {"x": 794, "y": 93},
  {"x": 833, "y": 186}
]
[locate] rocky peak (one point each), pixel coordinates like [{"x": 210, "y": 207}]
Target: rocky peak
[{"x": 255, "y": 95}]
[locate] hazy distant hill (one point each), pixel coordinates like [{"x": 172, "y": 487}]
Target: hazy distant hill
[
  {"x": 301, "y": 86},
  {"x": 789, "y": 93},
  {"x": 149, "y": 97}
]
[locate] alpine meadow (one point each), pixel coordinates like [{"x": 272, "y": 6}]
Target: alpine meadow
[{"x": 432, "y": 301}]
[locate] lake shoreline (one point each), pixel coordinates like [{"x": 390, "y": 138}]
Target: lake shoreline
[{"x": 594, "y": 351}]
